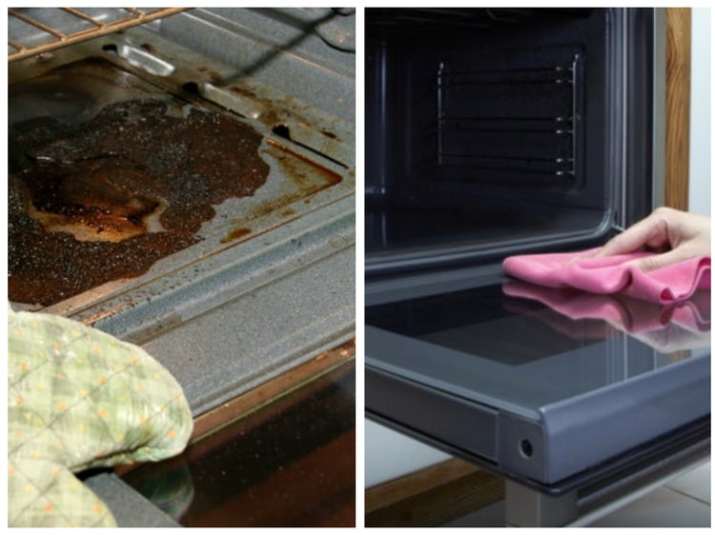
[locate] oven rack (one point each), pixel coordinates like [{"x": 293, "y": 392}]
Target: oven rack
[
  {"x": 47, "y": 29},
  {"x": 561, "y": 77}
]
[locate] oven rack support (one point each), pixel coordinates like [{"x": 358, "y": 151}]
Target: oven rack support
[
  {"x": 563, "y": 125},
  {"x": 134, "y": 17}
]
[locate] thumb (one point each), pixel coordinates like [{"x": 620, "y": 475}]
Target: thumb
[{"x": 651, "y": 263}]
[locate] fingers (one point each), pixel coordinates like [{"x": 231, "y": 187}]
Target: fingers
[
  {"x": 654, "y": 262},
  {"x": 658, "y": 242},
  {"x": 653, "y": 229},
  {"x": 583, "y": 255},
  {"x": 684, "y": 234}
]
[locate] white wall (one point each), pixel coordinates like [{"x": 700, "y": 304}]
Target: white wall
[
  {"x": 389, "y": 454},
  {"x": 699, "y": 200}
]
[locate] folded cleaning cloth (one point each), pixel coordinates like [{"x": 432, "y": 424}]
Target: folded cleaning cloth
[{"x": 612, "y": 274}]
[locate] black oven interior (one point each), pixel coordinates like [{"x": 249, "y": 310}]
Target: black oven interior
[{"x": 492, "y": 128}]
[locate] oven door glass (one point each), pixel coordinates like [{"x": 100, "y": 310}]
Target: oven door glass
[{"x": 521, "y": 348}]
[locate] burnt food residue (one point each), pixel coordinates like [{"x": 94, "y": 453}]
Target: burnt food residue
[
  {"x": 236, "y": 234},
  {"x": 106, "y": 200}
]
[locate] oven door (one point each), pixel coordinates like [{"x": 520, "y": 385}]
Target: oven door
[{"x": 539, "y": 384}]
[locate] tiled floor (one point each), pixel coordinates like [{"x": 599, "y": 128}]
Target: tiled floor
[
  {"x": 695, "y": 483},
  {"x": 684, "y": 502}
]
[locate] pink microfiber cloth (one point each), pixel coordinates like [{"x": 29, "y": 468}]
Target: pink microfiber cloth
[{"x": 612, "y": 275}]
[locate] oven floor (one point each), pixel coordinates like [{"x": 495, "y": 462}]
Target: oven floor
[
  {"x": 110, "y": 174},
  {"x": 79, "y": 209}
]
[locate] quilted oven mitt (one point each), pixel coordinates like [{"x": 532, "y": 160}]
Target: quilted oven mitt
[{"x": 80, "y": 398}]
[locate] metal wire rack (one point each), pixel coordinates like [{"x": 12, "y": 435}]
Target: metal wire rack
[
  {"x": 556, "y": 84},
  {"x": 49, "y": 35}
]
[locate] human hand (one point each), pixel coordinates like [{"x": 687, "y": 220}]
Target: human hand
[{"x": 677, "y": 235}]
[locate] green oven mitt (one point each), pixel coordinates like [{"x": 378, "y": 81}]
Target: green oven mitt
[{"x": 79, "y": 398}]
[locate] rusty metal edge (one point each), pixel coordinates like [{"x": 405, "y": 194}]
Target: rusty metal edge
[
  {"x": 264, "y": 394},
  {"x": 86, "y": 35}
]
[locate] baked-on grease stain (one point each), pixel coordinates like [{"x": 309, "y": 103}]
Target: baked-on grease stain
[
  {"x": 235, "y": 234},
  {"x": 105, "y": 200},
  {"x": 94, "y": 200}
]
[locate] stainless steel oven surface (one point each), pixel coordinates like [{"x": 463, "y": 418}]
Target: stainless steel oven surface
[
  {"x": 504, "y": 131},
  {"x": 165, "y": 173}
]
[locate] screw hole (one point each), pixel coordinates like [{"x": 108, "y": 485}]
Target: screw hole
[
  {"x": 282, "y": 130},
  {"x": 526, "y": 449},
  {"x": 191, "y": 88}
]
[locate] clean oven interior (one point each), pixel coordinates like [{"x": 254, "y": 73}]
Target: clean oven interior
[{"x": 488, "y": 128}]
